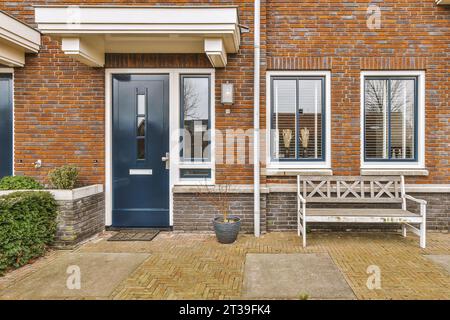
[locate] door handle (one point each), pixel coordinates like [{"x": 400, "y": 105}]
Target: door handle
[{"x": 166, "y": 159}]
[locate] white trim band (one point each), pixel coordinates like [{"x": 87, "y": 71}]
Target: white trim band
[{"x": 66, "y": 195}]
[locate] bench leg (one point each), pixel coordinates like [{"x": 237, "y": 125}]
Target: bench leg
[
  {"x": 304, "y": 236},
  {"x": 423, "y": 226},
  {"x": 304, "y": 232},
  {"x": 423, "y": 235},
  {"x": 403, "y": 230}
]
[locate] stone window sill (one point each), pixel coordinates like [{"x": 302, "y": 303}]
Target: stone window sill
[
  {"x": 394, "y": 172},
  {"x": 295, "y": 172}
]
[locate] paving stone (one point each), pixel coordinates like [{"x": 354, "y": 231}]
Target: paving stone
[{"x": 287, "y": 276}]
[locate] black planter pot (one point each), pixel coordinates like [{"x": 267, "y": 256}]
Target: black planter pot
[{"x": 227, "y": 232}]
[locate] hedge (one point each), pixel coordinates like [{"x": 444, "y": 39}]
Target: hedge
[
  {"x": 19, "y": 183},
  {"x": 27, "y": 227}
]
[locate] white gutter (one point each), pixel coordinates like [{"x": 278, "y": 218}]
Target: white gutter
[{"x": 256, "y": 142}]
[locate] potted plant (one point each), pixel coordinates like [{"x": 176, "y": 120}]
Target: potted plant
[{"x": 226, "y": 226}]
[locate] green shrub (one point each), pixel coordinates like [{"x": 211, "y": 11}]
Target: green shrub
[
  {"x": 27, "y": 227},
  {"x": 19, "y": 183},
  {"x": 64, "y": 177}
]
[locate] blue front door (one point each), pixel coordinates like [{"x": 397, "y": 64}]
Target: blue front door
[
  {"x": 140, "y": 142},
  {"x": 6, "y": 131}
]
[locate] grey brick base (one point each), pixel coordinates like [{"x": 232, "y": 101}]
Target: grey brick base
[
  {"x": 79, "y": 220},
  {"x": 192, "y": 212}
]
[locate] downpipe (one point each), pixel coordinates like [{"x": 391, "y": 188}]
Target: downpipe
[{"x": 256, "y": 139}]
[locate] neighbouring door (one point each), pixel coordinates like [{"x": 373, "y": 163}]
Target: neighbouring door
[
  {"x": 140, "y": 142},
  {"x": 6, "y": 128}
]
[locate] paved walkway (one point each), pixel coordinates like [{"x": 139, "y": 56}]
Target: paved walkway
[{"x": 195, "y": 266}]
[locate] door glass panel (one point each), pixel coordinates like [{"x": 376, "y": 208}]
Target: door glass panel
[
  {"x": 141, "y": 127},
  {"x": 141, "y": 149},
  {"x": 141, "y": 104}
]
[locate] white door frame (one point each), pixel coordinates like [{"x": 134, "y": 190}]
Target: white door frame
[
  {"x": 11, "y": 71},
  {"x": 174, "y": 106}
]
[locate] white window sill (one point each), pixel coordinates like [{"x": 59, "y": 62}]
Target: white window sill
[
  {"x": 394, "y": 172},
  {"x": 298, "y": 171}
]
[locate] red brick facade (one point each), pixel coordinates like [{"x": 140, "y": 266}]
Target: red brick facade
[{"x": 59, "y": 103}]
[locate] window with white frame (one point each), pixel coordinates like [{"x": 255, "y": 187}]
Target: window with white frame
[
  {"x": 195, "y": 124},
  {"x": 297, "y": 118},
  {"x": 390, "y": 118}
]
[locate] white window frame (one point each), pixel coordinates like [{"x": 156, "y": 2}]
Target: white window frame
[
  {"x": 420, "y": 163},
  {"x": 301, "y": 165},
  {"x": 183, "y": 164},
  {"x": 174, "y": 129}
]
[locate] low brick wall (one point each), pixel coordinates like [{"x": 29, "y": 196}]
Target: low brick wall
[
  {"x": 193, "y": 212},
  {"x": 79, "y": 220}
]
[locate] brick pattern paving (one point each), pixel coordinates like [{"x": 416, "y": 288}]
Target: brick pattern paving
[{"x": 195, "y": 266}]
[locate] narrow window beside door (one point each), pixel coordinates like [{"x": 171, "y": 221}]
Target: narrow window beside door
[{"x": 195, "y": 124}]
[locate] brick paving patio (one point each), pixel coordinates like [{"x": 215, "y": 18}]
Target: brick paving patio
[{"x": 195, "y": 266}]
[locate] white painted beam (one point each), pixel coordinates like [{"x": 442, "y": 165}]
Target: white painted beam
[
  {"x": 88, "y": 51},
  {"x": 215, "y": 50},
  {"x": 18, "y": 34},
  {"x": 16, "y": 38},
  {"x": 11, "y": 56}
]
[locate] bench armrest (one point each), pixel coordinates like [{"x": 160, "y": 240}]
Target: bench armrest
[
  {"x": 414, "y": 199},
  {"x": 302, "y": 200}
]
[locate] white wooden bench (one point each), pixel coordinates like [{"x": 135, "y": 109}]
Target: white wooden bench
[{"x": 357, "y": 190}]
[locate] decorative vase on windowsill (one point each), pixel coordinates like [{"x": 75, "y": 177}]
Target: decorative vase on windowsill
[
  {"x": 287, "y": 137},
  {"x": 304, "y": 140}
]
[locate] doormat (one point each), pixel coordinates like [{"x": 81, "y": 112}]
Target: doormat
[{"x": 133, "y": 235}]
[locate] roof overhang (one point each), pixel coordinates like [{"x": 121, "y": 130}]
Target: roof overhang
[
  {"x": 16, "y": 38},
  {"x": 443, "y": 2},
  {"x": 88, "y": 32}
]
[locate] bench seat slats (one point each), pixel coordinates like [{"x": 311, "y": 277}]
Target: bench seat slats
[
  {"x": 353, "y": 200},
  {"x": 370, "y": 212},
  {"x": 362, "y": 215}
]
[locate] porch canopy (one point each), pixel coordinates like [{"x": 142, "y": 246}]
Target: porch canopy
[
  {"x": 16, "y": 39},
  {"x": 88, "y": 32}
]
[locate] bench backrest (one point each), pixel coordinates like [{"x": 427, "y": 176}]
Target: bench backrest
[{"x": 351, "y": 189}]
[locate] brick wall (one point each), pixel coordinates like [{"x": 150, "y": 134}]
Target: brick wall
[
  {"x": 80, "y": 219},
  {"x": 194, "y": 212},
  {"x": 59, "y": 103},
  {"x": 333, "y": 35}
]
